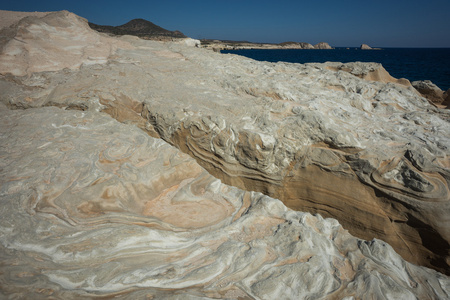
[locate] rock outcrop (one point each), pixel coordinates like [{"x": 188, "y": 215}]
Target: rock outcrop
[
  {"x": 430, "y": 91},
  {"x": 72, "y": 45},
  {"x": 367, "y": 47},
  {"x": 96, "y": 208},
  {"x": 322, "y": 45}
]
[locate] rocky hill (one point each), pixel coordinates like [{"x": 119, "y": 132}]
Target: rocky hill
[
  {"x": 134, "y": 169},
  {"x": 139, "y": 27}
]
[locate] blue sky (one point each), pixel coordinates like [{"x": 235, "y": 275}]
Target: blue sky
[{"x": 382, "y": 23}]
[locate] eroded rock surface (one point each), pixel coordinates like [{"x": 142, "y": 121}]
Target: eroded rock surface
[
  {"x": 344, "y": 140},
  {"x": 93, "y": 208},
  {"x": 430, "y": 91},
  {"x": 33, "y": 45}
]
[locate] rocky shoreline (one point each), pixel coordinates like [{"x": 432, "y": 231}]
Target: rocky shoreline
[
  {"x": 133, "y": 168},
  {"x": 218, "y": 45}
]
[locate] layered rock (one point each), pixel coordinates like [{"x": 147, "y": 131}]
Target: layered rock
[
  {"x": 323, "y": 138},
  {"x": 95, "y": 208}
]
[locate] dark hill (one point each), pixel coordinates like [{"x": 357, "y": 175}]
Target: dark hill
[{"x": 139, "y": 27}]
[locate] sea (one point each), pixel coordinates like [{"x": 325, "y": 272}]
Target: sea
[{"x": 411, "y": 63}]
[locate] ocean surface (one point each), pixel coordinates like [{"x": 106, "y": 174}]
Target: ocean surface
[{"x": 410, "y": 63}]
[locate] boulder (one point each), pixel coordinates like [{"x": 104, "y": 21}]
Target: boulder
[
  {"x": 446, "y": 97},
  {"x": 365, "y": 47},
  {"x": 430, "y": 91}
]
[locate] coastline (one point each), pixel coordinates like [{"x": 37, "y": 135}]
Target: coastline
[{"x": 219, "y": 45}]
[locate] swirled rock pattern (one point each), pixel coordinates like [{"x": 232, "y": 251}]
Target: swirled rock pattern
[
  {"x": 94, "y": 208},
  {"x": 344, "y": 140}
]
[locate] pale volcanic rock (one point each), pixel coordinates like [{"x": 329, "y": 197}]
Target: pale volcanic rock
[
  {"x": 324, "y": 138},
  {"x": 429, "y": 90},
  {"x": 322, "y": 45},
  {"x": 11, "y": 17},
  {"x": 52, "y": 42},
  {"x": 95, "y": 208},
  {"x": 367, "y": 71},
  {"x": 344, "y": 140},
  {"x": 367, "y": 47}
]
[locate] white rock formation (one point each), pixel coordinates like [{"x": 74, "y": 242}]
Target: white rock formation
[
  {"x": 72, "y": 45},
  {"x": 322, "y": 45},
  {"x": 92, "y": 207}
]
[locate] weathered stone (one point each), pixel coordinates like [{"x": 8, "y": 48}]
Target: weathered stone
[
  {"x": 94, "y": 208},
  {"x": 73, "y": 45},
  {"x": 322, "y": 45},
  {"x": 344, "y": 140},
  {"x": 430, "y": 91}
]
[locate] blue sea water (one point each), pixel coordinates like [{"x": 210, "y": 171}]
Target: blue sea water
[{"x": 410, "y": 63}]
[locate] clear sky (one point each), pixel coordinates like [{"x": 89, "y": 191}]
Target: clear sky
[{"x": 382, "y": 23}]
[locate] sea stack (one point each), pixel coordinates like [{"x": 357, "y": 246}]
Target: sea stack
[
  {"x": 365, "y": 47},
  {"x": 322, "y": 45}
]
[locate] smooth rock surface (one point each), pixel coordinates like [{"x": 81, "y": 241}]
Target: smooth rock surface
[
  {"x": 26, "y": 47},
  {"x": 344, "y": 140},
  {"x": 94, "y": 208}
]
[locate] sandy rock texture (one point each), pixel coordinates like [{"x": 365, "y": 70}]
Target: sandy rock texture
[
  {"x": 347, "y": 141},
  {"x": 91, "y": 207}
]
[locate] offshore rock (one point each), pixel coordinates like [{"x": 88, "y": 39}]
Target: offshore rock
[
  {"x": 94, "y": 208},
  {"x": 367, "y": 47},
  {"x": 322, "y": 45},
  {"x": 343, "y": 140}
]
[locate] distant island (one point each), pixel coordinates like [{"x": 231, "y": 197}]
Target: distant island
[{"x": 367, "y": 47}]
